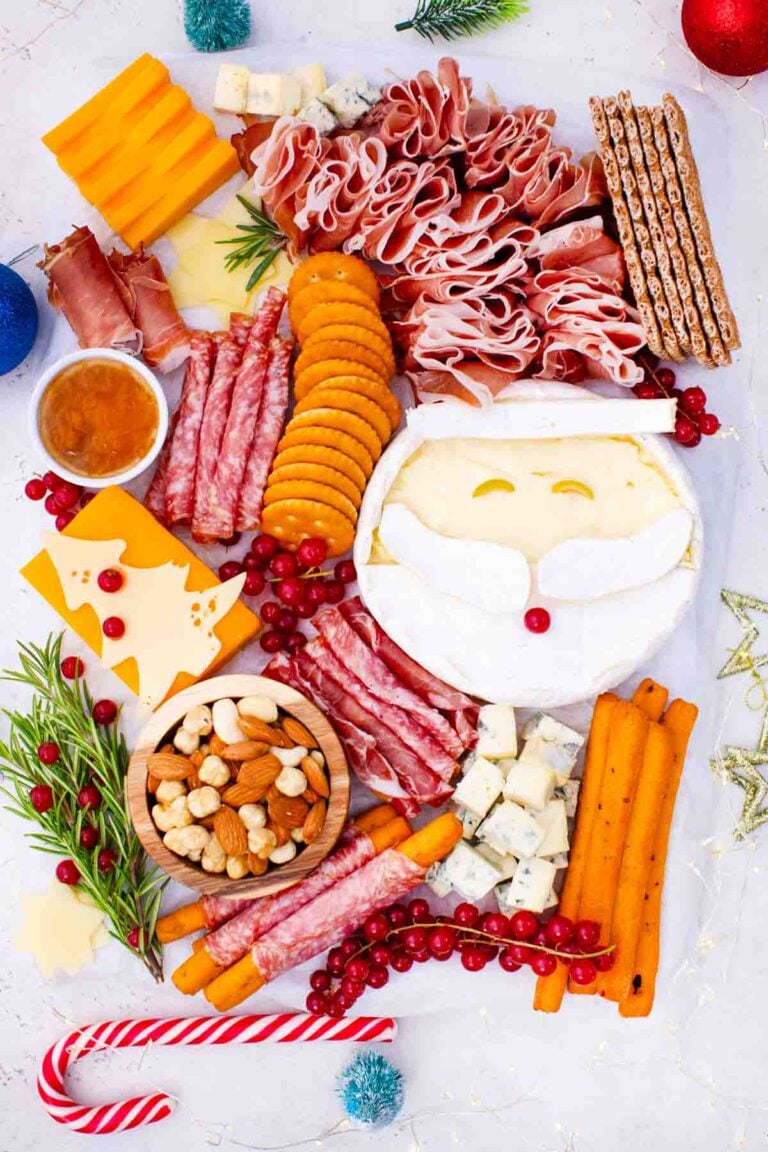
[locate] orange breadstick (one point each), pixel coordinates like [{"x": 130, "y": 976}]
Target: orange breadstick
[
  {"x": 679, "y": 721},
  {"x": 624, "y": 929},
  {"x": 191, "y": 917},
  {"x": 550, "y": 989},
  {"x": 651, "y": 697},
  {"x": 626, "y": 742}
]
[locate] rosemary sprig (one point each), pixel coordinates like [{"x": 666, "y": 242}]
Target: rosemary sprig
[
  {"x": 450, "y": 19},
  {"x": 262, "y": 241},
  {"x": 129, "y": 893}
]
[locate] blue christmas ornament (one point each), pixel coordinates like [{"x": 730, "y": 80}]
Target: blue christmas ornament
[
  {"x": 217, "y": 25},
  {"x": 18, "y": 319},
  {"x": 371, "y": 1089}
]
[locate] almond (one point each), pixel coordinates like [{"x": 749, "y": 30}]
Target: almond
[
  {"x": 245, "y": 750},
  {"x": 168, "y": 766},
  {"x": 314, "y": 821},
  {"x": 194, "y": 781},
  {"x": 260, "y": 774},
  {"x": 238, "y": 794},
  {"x": 216, "y": 745},
  {"x": 256, "y": 865},
  {"x": 152, "y": 783},
  {"x": 273, "y": 793},
  {"x": 230, "y": 831},
  {"x": 310, "y": 796},
  {"x": 298, "y": 733},
  {"x": 290, "y": 811},
  {"x": 264, "y": 733},
  {"x": 282, "y": 834},
  {"x": 316, "y": 777},
  {"x": 197, "y": 758}
]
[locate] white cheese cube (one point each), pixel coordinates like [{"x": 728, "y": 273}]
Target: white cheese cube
[
  {"x": 469, "y": 822},
  {"x": 552, "y": 900},
  {"x": 273, "y": 94},
  {"x": 560, "y": 759},
  {"x": 505, "y": 865},
  {"x": 350, "y": 98},
  {"x": 555, "y": 824},
  {"x": 436, "y": 880},
  {"x": 497, "y": 732},
  {"x": 511, "y": 830},
  {"x": 560, "y": 860},
  {"x": 469, "y": 873},
  {"x": 311, "y": 78},
  {"x": 550, "y": 729},
  {"x": 531, "y": 885},
  {"x": 480, "y": 787},
  {"x": 231, "y": 93},
  {"x": 529, "y": 784},
  {"x": 315, "y": 112},
  {"x": 569, "y": 791}
]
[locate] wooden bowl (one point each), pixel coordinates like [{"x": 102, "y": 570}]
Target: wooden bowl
[{"x": 168, "y": 716}]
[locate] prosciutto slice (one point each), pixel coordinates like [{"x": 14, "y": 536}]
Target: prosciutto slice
[
  {"x": 268, "y": 430},
  {"x": 217, "y": 404},
  {"x": 152, "y": 308},
  {"x": 283, "y": 165},
  {"x": 402, "y": 205},
  {"x": 366, "y": 666},
  {"x": 581, "y": 244},
  {"x": 333, "y": 201},
  {"x": 182, "y": 461},
  {"x": 427, "y": 115},
  {"x": 83, "y": 286}
]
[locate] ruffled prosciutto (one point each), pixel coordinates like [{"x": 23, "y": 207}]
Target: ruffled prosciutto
[
  {"x": 483, "y": 343},
  {"x": 426, "y": 116},
  {"x": 82, "y": 285},
  {"x": 581, "y": 244},
  {"x": 337, "y": 195},
  {"x": 282, "y": 166},
  {"x": 403, "y": 203},
  {"x": 152, "y": 307},
  {"x": 582, "y": 316}
]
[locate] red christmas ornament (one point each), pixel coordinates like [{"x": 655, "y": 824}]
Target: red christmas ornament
[{"x": 728, "y": 36}]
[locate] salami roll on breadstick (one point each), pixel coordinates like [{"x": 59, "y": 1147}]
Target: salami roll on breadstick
[
  {"x": 339, "y": 911},
  {"x": 211, "y": 911},
  {"x": 232, "y": 940}
]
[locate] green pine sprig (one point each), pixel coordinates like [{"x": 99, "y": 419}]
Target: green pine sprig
[
  {"x": 129, "y": 893},
  {"x": 450, "y": 19},
  {"x": 261, "y": 241}
]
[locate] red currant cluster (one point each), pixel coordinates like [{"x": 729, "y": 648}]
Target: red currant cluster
[
  {"x": 298, "y": 581},
  {"x": 693, "y": 421},
  {"x": 404, "y": 935},
  {"x": 62, "y": 498}
]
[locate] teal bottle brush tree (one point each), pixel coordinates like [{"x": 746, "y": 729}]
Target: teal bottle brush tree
[{"x": 217, "y": 25}]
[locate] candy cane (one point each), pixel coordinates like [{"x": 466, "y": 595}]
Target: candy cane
[{"x": 198, "y": 1030}]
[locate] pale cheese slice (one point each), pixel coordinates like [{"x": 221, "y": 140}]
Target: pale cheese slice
[
  {"x": 61, "y": 927},
  {"x": 544, "y": 419}
]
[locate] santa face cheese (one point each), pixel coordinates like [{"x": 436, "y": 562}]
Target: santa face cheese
[{"x": 460, "y": 534}]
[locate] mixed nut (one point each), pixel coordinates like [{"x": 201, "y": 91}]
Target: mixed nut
[{"x": 240, "y": 786}]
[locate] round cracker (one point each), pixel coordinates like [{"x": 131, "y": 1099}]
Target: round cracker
[
  {"x": 327, "y": 292},
  {"x": 323, "y": 370},
  {"x": 323, "y": 437},
  {"x": 292, "y": 521},
  {"x": 318, "y": 474},
  {"x": 326, "y": 457},
  {"x": 328, "y": 397},
  {"x": 338, "y": 267},
  {"x": 311, "y": 490},
  {"x": 342, "y": 350},
  {"x": 356, "y": 335},
  {"x": 339, "y": 313},
  {"x": 342, "y": 421},
  {"x": 372, "y": 389}
]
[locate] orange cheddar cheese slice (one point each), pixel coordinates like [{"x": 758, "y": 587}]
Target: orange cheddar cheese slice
[{"x": 201, "y": 616}]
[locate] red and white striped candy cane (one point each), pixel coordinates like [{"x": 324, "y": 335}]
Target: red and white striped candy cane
[{"x": 283, "y": 1028}]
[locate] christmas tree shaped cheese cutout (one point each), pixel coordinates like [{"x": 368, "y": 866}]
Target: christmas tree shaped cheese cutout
[{"x": 180, "y": 621}]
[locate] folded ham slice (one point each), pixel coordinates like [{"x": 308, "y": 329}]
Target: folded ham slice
[
  {"x": 83, "y": 286},
  {"x": 331, "y": 204},
  {"x": 401, "y": 206},
  {"x": 152, "y": 308},
  {"x": 581, "y": 244},
  {"x": 283, "y": 165},
  {"x": 427, "y": 115}
]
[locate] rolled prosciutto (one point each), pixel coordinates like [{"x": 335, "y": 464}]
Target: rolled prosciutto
[
  {"x": 153, "y": 309},
  {"x": 83, "y": 286}
]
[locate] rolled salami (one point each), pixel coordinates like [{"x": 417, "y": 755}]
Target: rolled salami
[{"x": 340, "y": 910}]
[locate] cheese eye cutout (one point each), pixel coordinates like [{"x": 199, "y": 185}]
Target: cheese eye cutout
[
  {"x": 573, "y": 488},
  {"x": 495, "y": 485}
]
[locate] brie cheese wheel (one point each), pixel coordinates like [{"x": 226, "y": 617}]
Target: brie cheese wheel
[{"x": 600, "y": 524}]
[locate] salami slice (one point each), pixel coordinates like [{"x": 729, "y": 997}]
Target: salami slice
[
  {"x": 381, "y": 682},
  {"x": 218, "y": 909},
  {"x": 182, "y": 463},
  {"x": 269, "y": 429},
  {"x": 233, "y": 939},
  {"x": 266, "y": 320},
  {"x": 336, "y": 913},
  {"x": 217, "y": 406},
  {"x": 154, "y": 500},
  {"x": 240, "y": 324}
]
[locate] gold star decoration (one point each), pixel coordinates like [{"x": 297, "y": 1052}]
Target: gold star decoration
[
  {"x": 740, "y": 766},
  {"x": 741, "y": 658}
]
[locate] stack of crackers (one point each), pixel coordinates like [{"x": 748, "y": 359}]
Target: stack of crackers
[{"x": 663, "y": 229}]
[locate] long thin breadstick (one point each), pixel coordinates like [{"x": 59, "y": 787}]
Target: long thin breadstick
[
  {"x": 679, "y": 720},
  {"x": 651, "y": 697},
  {"x": 624, "y": 930},
  {"x": 550, "y": 989},
  {"x": 626, "y": 743}
]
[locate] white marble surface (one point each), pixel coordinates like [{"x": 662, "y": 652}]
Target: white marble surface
[{"x": 482, "y": 1071}]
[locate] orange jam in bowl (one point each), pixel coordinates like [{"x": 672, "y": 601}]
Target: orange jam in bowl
[{"x": 98, "y": 417}]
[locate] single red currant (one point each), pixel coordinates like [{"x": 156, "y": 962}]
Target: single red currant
[
  {"x": 418, "y": 910},
  {"x": 284, "y": 564},
  {"x": 229, "y": 569},
  {"x": 537, "y": 620},
  {"x": 317, "y": 1004},
  {"x": 89, "y": 796},
  {"x": 587, "y": 935},
  {"x": 605, "y": 962},
  {"x": 255, "y": 582},
  {"x": 376, "y": 926},
  {"x": 252, "y": 563},
  {"x": 72, "y": 667},
  {"x": 582, "y": 971},
  {"x": 89, "y": 836},
  {"x": 295, "y": 641},
  {"x": 350, "y": 945},
  {"x": 441, "y": 940},
  {"x": 113, "y": 627},
  {"x": 290, "y": 590},
  {"x": 272, "y": 642},
  {"x": 336, "y": 1006},
  {"x": 286, "y": 621},
  {"x": 709, "y": 424},
  {"x": 378, "y": 976},
  {"x": 86, "y": 498},
  {"x": 110, "y": 580},
  {"x": 544, "y": 964},
  {"x": 317, "y": 591},
  {"x": 685, "y": 430},
  {"x": 473, "y": 958},
  {"x": 67, "y": 495},
  {"x": 351, "y": 990},
  {"x": 520, "y": 953},
  {"x": 48, "y": 753},
  {"x": 357, "y": 969},
  {"x": 52, "y": 481},
  {"x": 507, "y": 961},
  {"x": 320, "y": 981},
  {"x": 67, "y": 872},
  {"x": 647, "y": 390},
  {"x": 63, "y": 520},
  {"x": 334, "y": 591},
  {"x": 402, "y": 962},
  {"x": 311, "y": 553},
  {"x": 379, "y": 953},
  {"x": 496, "y": 923},
  {"x": 270, "y": 611},
  {"x": 104, "y": 711},
  {"x": 398, "y": 915},
  {"x": 694, "y": 400},
  {"x": 336, "y": 961},
  {"x": 415, "y": 940},
  {"x": 559, "y": 931},
  {"x": 41, "y": 798},
  {"x": 35, "y": 489},
  {"x": 133, "y": 938},
  {"x": 265, "y": 547},
  {"x": 305, "y": 610},
  {"x": 50, "y": 505},
  {"x": 466, "y": 915},
  {"x": 666, "y": 377},
  {"x": 523, "y": 925},
  {"x": 345, "y": 571},
  {"x": 106, "y": 860}
]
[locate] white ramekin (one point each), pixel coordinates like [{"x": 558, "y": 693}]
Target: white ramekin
[{"x": 120, "y": 358}]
